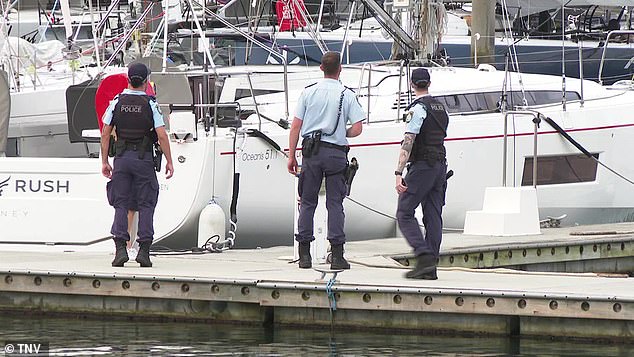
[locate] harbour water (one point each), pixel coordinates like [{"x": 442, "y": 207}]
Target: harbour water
[{"x": 81, "y": 337}]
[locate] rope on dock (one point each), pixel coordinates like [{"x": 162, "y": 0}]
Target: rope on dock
[{"x": 331, "y": 295}]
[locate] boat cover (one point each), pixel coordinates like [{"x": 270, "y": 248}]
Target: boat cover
[{"x": 25, "y": 54}]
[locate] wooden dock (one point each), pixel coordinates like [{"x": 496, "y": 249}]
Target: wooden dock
[
  {"x": 606, "y": 248},
  {"x": 260, "y": 286}
]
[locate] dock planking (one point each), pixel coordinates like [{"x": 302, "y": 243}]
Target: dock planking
[
  {"x": 259, "y": 286},
  {"x": 606, "y": 248}
]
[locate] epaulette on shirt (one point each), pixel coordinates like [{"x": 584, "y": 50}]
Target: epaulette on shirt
[
  {"x": 352, "y": 90},
  {"x": 310, "y": 85}
]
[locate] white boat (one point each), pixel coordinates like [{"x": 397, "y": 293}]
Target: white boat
[
  {"x": 567, "y": 183},
  {"x": 41, "y": 72},
  {"x": 368, "y": 41},
  {"x": 62, "y": 202}
]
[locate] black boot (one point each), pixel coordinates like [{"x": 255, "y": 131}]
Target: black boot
[
  {"x": 305, "y": 260},
  {"x": 143, "y": 257},
  {"x": 425, "y": 268},
  {"x": 338, "y": 261},
  {"x": 121, "y": 254}
]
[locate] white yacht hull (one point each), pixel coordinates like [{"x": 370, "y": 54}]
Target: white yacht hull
[{"x": 63, "y": 202}]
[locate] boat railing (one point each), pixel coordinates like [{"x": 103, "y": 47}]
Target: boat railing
[
  {"x": 404, "y": 64},
  {"x": 200, "y": 108},
  {"x": 605, "y": 48},
  {"x": 258, "y": 43},
  {"x": 230, "y": 105},
  {"x": 255, "y": 103},
  {"x": 367, "y": 65},
  {"x": 400, "y": 90},
  {"x": 537, "y": 117},
  {"x": 310, "y": 28}
]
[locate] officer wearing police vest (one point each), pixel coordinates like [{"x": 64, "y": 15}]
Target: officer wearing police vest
[
  {"x": 138, "y": 123},
  {"x": 423, "y": 152},
  {"x": 322, "y": 112}
]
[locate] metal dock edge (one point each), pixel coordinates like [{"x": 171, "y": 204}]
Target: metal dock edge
[{"x": 258, "y": 287}]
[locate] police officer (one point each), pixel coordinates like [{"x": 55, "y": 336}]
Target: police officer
[
  {"x": 138, "y": 123},
  {"x": 322, "y": 112},
  {"x": 425, "y": 183}
]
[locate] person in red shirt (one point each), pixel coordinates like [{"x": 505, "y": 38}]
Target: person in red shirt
[{"x": 289, "y": 14}]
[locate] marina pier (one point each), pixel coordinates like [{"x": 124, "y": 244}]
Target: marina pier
[
  {"x": 537, "y": 106},
  {"x": 262, "y": 287}
]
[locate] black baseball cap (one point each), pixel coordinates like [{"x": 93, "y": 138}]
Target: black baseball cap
[
  {"x": 420, "y": 74},
  {"x": 138, "y": 70}
]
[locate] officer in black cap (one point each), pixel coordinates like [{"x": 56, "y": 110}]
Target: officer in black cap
[
  {"x": 423, "y": 152},
  {"x": 138, "y": 123}
]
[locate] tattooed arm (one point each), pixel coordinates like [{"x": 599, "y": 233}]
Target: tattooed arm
[{"x": 406, "y": 150}]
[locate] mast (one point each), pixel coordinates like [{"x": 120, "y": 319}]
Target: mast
[
  {"x": 430, "y": 28},
  {"x": 483, "y": 31},
  {"x": 422, "y": 22}
]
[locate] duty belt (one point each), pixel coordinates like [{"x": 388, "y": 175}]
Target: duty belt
[
  {"x": 137, "y": 147},
  {"x": 431, "y": 157},
  {"x": 344, "y": 148}
]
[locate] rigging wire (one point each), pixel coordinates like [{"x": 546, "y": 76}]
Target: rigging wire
[
  {"x": 583, "y": 150},
  {"x": 512, "y": 48},
  {"x": 367, "y": 207}
]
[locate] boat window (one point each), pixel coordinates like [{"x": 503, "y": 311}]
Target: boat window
[
  {"x": 560, "y": 169},
  {"x": 548, "y": 97},
  {"x": 461, "y": 103},
  {"x": 492, "y": 99},
  {"x": 246, "y": 92},
  {"x": 489, "y": 101},
  {"x": 451, "y": 102}
]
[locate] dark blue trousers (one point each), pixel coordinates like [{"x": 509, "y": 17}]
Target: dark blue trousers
[
  {"x": 133, "y": 176},
  {"x": 331, "y": 163},
  {"x": 426, "y": 186}
]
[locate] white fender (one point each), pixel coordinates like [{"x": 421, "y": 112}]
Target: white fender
[{"x": 211, "y": 222}]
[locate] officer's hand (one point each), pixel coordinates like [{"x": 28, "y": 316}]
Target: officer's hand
[
  {"x": 400, "y": 185},
  {"x": 106, "y": 170},
  {"x": 292, "y": 165},
  {"x": 169, "y": 170}
]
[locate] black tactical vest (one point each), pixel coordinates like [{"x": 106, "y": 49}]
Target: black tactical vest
[
  {"x": 429, "y": 143},
  {"x": 133, "y": 118}
]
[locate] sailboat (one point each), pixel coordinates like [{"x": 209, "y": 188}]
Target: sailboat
[
  {"x": 60, "y": 203},
  {"x": 606, "y": 61}
]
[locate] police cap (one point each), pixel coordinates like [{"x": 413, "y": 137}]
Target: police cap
[
  {"x": 420, "y": 77},
  {"x": 138, "y": 70}
]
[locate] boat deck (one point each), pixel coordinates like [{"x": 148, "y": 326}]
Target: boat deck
[{"x": 260, "y": 286}]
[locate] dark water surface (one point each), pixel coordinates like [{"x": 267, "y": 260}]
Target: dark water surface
[{"x": 80, "y": 337}]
